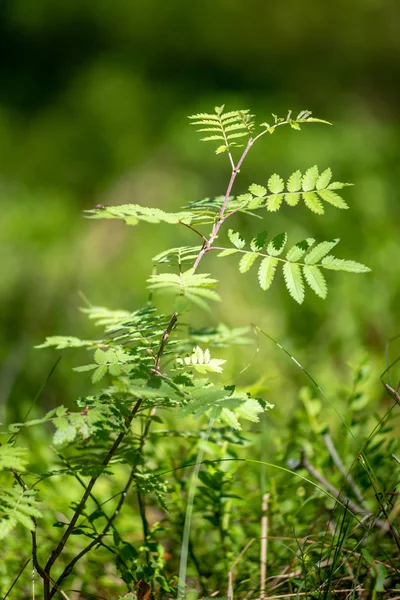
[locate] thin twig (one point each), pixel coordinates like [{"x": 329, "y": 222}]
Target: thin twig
[
  {"x": 345, "y": 472},
  {"x": 205, "y": 240},
  {"x": 396, "y": 458},
  {"x": 78, "y": 478},
  {"x": 305, "y": 464},
  {"x": 230, "y": 573},
  {"x": 97, "y": 540},
  {"x": 394, "y": 392},
  {"x": 164, "y": 340},
  {"x": 22, "y": 569},
  {"x": 35, "y": 561}
]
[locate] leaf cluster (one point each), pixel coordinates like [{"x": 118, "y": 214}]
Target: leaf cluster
[{"x": 304, "y": 260}]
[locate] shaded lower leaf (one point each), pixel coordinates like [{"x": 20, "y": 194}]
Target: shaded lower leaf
[{"x": 277, "y": 244}]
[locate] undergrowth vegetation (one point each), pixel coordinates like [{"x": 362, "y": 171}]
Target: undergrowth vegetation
[{"x": 173, "y": 480}]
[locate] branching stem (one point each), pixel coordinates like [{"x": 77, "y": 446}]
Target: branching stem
[
  {"x": 222, "y": 217},
  {"x": 45, "y": 573}
]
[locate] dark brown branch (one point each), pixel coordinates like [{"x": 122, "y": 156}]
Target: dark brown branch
[
  {"x": 35, "y": 561},
  {"x": 304, "y": 463},
  {"x": 57, "y": 551},
  {"x": 97, "y": 540}
]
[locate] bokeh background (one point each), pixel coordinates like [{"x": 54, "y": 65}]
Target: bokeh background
[{"x": 93, "y": 102}]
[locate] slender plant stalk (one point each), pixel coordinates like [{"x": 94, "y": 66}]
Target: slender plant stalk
[
  {"x": 264, "y": 544},
  {"x": 22, "y": 569},
  {"x": 193, "y": 483},
  {"x": 189, "y": 514}
]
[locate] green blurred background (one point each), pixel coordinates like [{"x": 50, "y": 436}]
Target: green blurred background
[{"x": 93, "y": 103}]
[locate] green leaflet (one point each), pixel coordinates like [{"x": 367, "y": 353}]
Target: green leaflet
[
  {"x": 274, "y": 202},
  {"x": 275, "y": 184},
  {"x": 247, "y": 261},
  {"x": 294, "y": 182},
  {"x": 266, "y": 271},
  {"x": 294, "y": 281},
  {"x": 313, "y": 203},
  {"x": 315, "y": 280},
  {"x": 338, "y": 264},
  {"x": 292, "y": 199},
  {"x": 333, "y": 198},
  {"x": 309, "y": 180},
  {"x": 227, "y": 252},
  {"x": 319, "y": 251},
  {"x": 324, "y": 179},
  {"x": 257, "y": 190},
  {"x": 236, "y": 239}
]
